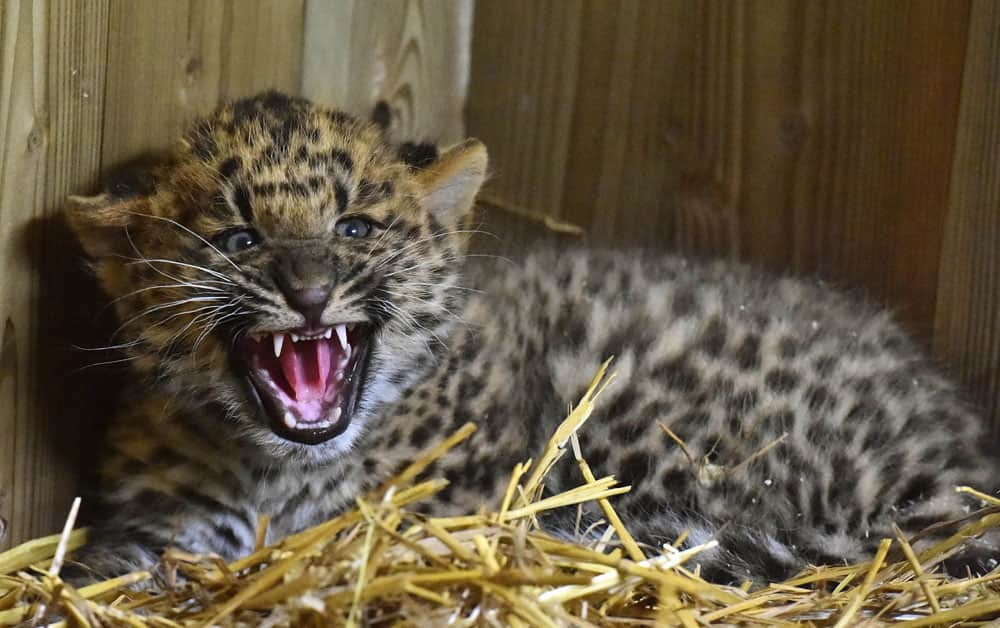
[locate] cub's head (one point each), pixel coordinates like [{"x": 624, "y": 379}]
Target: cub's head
[{"x": 288, "y": 263}]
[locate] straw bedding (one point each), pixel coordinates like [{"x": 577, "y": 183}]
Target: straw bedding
[{"x": 383, "y": 564}]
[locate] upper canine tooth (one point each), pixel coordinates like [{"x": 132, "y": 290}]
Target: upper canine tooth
[
  {"x": 342, "y": 336},
  {"x": 279, "y": 341}
]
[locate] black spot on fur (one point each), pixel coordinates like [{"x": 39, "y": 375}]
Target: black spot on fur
[
  {"x": 820, "y": 399},
  {"x": 748, "y": 354},
  {"x": 341, "y": 158},
  {"x": 342, "y": 197},
  {"x": 597, "y": 456},
  {"x": 230, "y": 167},
  {"x": 293, "y": 188},
  {"x": 275, "y": 102},
  {"x": 713, "y": 339},
  {"x": 241, "y": 198},
  {"x": 678, "y": 375},
  {"x": 433, "y": 423},
  {"x": 417, "y": 155},
  {"x": 264, "y": 189},
  {"x": 470, "y": 387},
  {"x": 675, "y": 482},
  {"x": 917, "y": 489},
  {"x": 339, "y": 117},
  {"x": 635, "y": 467},
  {"x": 315, "y": 183},
  {"x": 622, "y": 404},
  {"x": 244, "y": 111},
  {"x": 460, "y": 417},
  {"x": 781, "y": 380}
]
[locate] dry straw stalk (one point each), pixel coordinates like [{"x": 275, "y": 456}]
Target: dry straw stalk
[{"x": 382, "y": 564}]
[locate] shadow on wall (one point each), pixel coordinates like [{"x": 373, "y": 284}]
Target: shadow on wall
[{"x": 77, "y": 388}]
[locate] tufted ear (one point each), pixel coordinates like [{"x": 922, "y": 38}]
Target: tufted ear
[
  {"x": 99, "y": 221},
  {"x": 451, "y": 182}
]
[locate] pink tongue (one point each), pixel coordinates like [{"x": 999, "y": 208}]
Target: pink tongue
[{"x": 306, "y": 366}]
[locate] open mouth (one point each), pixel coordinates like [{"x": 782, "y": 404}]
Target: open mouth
[{"x": 308, "y": 381}]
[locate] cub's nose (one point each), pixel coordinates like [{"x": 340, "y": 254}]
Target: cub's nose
[{"x": 310, "y": 302}]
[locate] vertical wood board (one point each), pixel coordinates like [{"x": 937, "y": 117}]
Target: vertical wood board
[
  {"x": 806, "y": 137},
  {"x": 967, "y": 326},
  {"x": 411, "y": 54},
  {"x": 169, "y": 62},
  {"x": 50, "y": 117}
]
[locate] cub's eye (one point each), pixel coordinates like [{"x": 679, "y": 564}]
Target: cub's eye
[
  {"x": 353, "y": 227},
  {"x": 236, "y": 241}
]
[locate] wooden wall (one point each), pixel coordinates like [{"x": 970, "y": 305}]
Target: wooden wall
[
  {"x": 857, "y": 140},
  {"x": 88, "y": 84}
]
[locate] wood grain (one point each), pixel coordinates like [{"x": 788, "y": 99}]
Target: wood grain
[
  {"x": 50, "y": 129},
  {"x": 522, "y": 88},
  {"x": 807, "y": 137},
  {"x": 85, "y": 86},
  {"x": 967, "y": 326},
  {"x": 412, "y": 54},
  {"x": 881, "y": 85},
  {"x": 171, "y": 61}
]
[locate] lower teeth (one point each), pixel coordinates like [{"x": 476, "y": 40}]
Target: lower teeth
[{"x": 292, "y": 424}]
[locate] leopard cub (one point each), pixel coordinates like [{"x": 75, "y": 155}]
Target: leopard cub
[{"x": 300, "y": 319}]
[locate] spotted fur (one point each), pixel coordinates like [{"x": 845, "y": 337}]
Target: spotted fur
[{"x": 810, "y": 423}]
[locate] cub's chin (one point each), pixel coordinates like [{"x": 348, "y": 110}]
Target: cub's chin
[{"x": 307, "y": 382}]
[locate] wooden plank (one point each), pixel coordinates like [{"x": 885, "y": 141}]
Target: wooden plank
[
  {"x": 171, "y": 61},
  {"x": 807, "y": 137},
  {"x": 880, "y": 85},
  {"x": 521, "y": 92},
  {"x": 84, "y": 86},
  {"x": 412, "y": 54},
  {"x": 967, "y": 326},
  {"x": 51, "y": 74}
]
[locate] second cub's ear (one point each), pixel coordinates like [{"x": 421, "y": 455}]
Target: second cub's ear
[{"x": 450, "y": 183}]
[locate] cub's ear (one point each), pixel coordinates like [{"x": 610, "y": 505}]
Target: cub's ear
[
  {"x": 450, "y": 183},
  {"x": 99, "y": 222}
]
